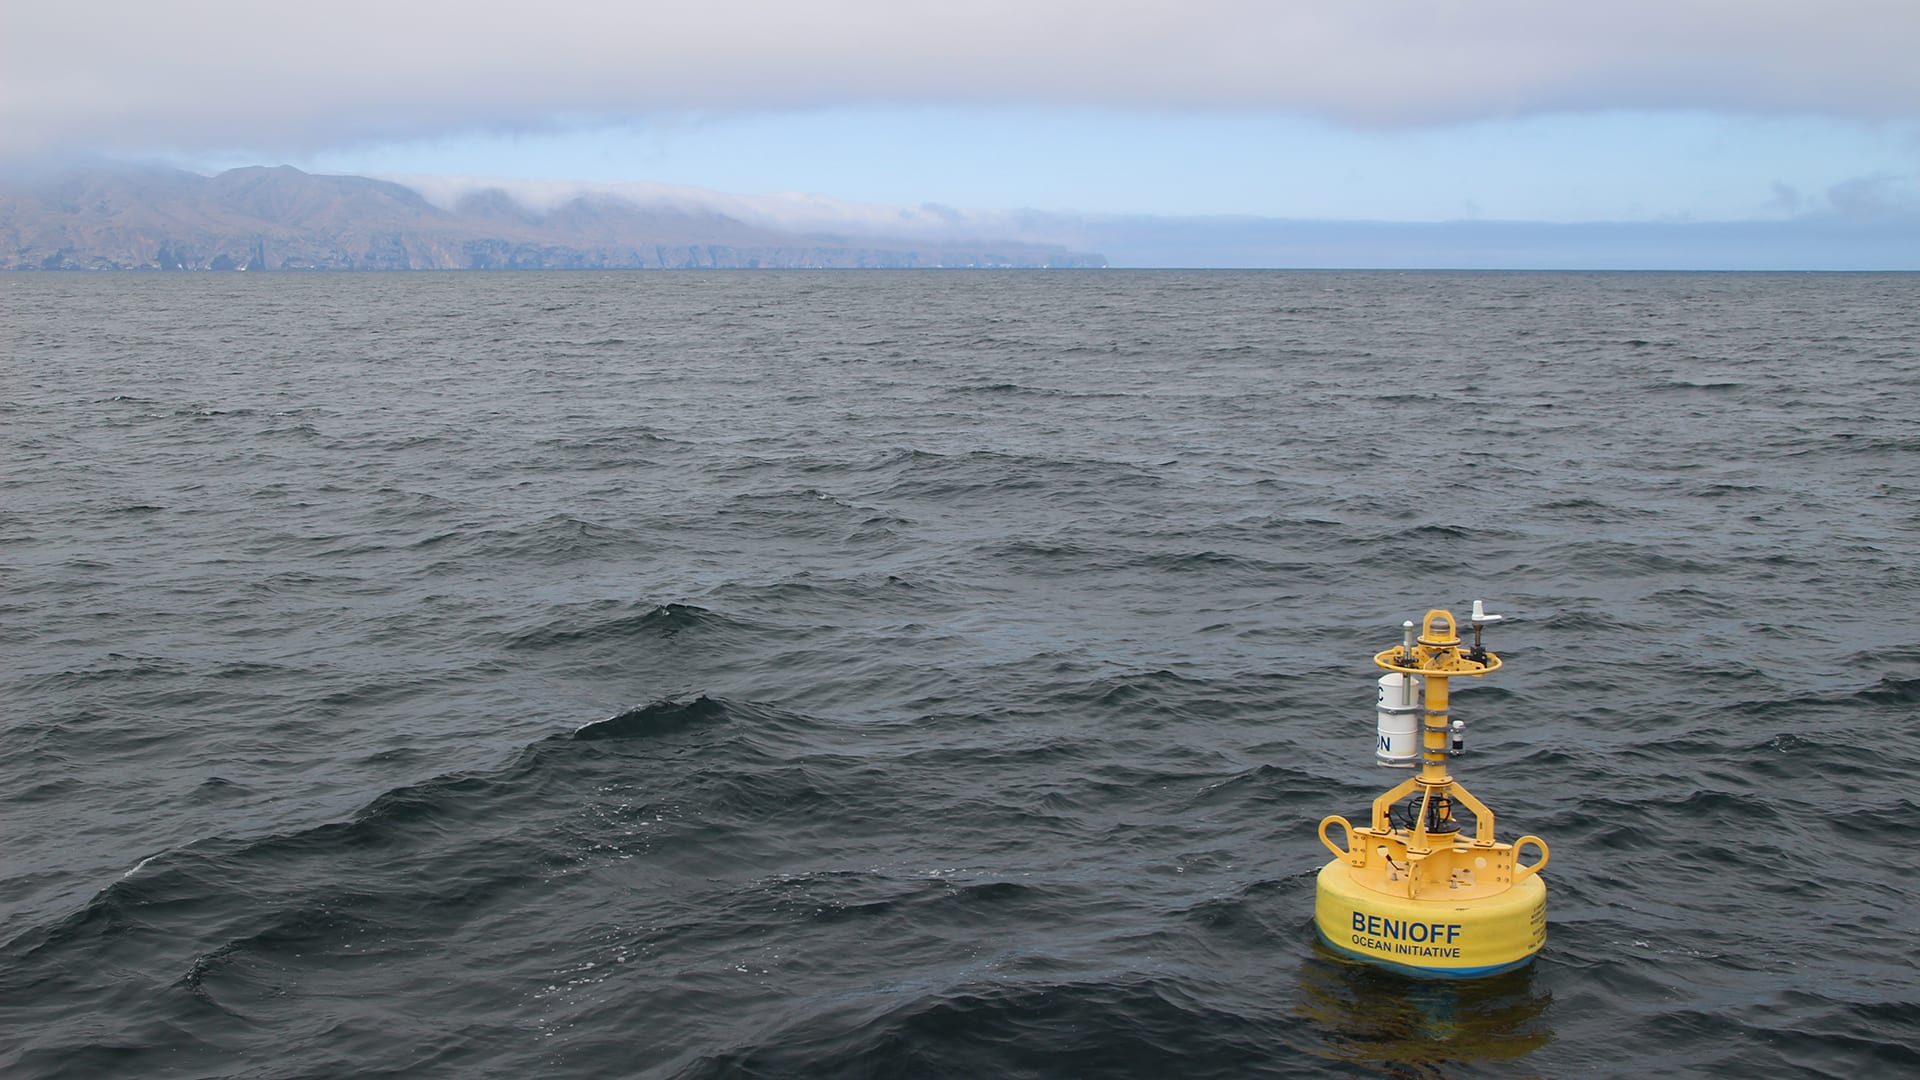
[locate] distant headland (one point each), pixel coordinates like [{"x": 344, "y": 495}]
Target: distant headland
[{"x": 281, "y": 219}]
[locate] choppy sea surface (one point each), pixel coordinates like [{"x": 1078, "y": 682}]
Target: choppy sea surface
[{"x": 942, "y": 674}]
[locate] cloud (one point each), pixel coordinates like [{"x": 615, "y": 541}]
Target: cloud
[
  {"x": 791, "y": 212},
  {"x": 1882, "y": 197},
  {"x": 1886, "y": 197},
  {"x": 197, "y": 76}
]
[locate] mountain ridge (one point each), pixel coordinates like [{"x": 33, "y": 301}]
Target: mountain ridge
[{"x": 281, "y": 218}]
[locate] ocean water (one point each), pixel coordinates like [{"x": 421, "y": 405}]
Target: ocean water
[{"x": 942, "y": 674}]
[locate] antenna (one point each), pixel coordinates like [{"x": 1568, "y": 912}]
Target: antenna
[{"x": 1481, "y": 619}]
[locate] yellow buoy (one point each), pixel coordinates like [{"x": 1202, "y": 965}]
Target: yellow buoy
[{"x": 1410, "y": 890}]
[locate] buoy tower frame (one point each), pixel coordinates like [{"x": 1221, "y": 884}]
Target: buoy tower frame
[{"x": 1416, "y": 893}]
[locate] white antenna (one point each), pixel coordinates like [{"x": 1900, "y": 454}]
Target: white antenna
[{"x": 1480, "y": 616}]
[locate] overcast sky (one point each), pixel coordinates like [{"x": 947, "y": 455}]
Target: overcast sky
[{"x": 1394, "y": 110}]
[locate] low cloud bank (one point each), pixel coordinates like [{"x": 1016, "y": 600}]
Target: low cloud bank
[
  {"x": 1870, "y": 223},
  {"x": 792, "y": 212}
]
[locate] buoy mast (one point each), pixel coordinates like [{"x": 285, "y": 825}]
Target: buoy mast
[{"x": 1411, "y": 890}]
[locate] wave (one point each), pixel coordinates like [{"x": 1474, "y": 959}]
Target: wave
[
  {"x": 609, "y": 622},
  {"x": 1129, "y": 1025}
]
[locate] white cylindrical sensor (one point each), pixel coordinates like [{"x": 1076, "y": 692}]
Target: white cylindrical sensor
[{"x": 1399, "y": 705}]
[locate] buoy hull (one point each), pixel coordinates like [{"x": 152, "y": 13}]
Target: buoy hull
[{"x": 1455, "y": 939}]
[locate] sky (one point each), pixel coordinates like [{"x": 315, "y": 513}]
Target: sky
[{"x": 1633, "y": 111}]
